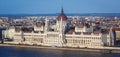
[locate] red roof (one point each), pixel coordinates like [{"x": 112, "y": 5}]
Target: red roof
[
  {"x": 80, "y": 25},
  {"x": 62, "y": 16},
  {"x": 39, "y": 25},
  {"x": 70, "y": 31},
  {"x": 116, "y": 29},
  {"x": 96, "y": 33}
]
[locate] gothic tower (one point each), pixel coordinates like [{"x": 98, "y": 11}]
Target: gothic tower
[{"x": 61, "y": 22}]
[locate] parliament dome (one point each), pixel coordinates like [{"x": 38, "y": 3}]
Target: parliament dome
[{"x": 62, "y": 16}]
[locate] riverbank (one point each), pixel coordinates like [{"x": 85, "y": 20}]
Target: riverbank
[{"x": 99, "y": 50}]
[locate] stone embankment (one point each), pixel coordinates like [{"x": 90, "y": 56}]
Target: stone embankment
[{"x": 102, "y": 50}]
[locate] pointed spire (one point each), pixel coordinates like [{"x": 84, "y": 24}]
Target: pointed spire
[
  {"x": 62, "y": 11},
  {"x": 64, "y": 17}
]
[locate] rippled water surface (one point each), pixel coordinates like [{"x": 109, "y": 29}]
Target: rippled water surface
[{"x": 33, "y": 52}]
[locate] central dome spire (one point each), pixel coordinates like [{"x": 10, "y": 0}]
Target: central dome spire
[
  {"x": 62, "y": 11},
  {"x": 62, "y": 16}
]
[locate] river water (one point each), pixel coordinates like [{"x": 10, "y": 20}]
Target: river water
[{"x": 34, "y": 52}]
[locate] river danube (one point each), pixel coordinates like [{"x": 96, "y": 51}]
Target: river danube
[{"x": 34, "y": 52}]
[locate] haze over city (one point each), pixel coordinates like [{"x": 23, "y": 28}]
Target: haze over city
[{"x": 53, "y": 6}]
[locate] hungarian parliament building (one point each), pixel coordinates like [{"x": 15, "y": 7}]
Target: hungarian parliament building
[{"x": 60, "y": 35}]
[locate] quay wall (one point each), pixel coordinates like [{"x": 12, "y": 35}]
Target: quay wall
[{"x": 99, "y": 50}]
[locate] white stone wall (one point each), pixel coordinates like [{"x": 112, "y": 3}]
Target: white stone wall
[
  {"x": 9, "y": 33},
  {"x": 52, "y": 38},
  {"x": 61, "y": 23},
  {"x": 85, "y": 40},
  {"x": 84, "y": 29},
  {"x": 95, "y": 40},
  {"x": 79, "y": 29},
  {"x": 39, "y": 28}
]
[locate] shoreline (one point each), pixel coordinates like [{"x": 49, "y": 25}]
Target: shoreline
[{"x": 65, "y": 48}]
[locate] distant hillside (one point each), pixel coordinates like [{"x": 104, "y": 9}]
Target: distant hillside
[{"x": 84, "y": 14}]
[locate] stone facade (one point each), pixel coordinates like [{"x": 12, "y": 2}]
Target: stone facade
[{"x": 82, "y": 36}]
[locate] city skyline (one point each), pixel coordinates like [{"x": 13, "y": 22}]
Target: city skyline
[{"x": 54, "y": 6}]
